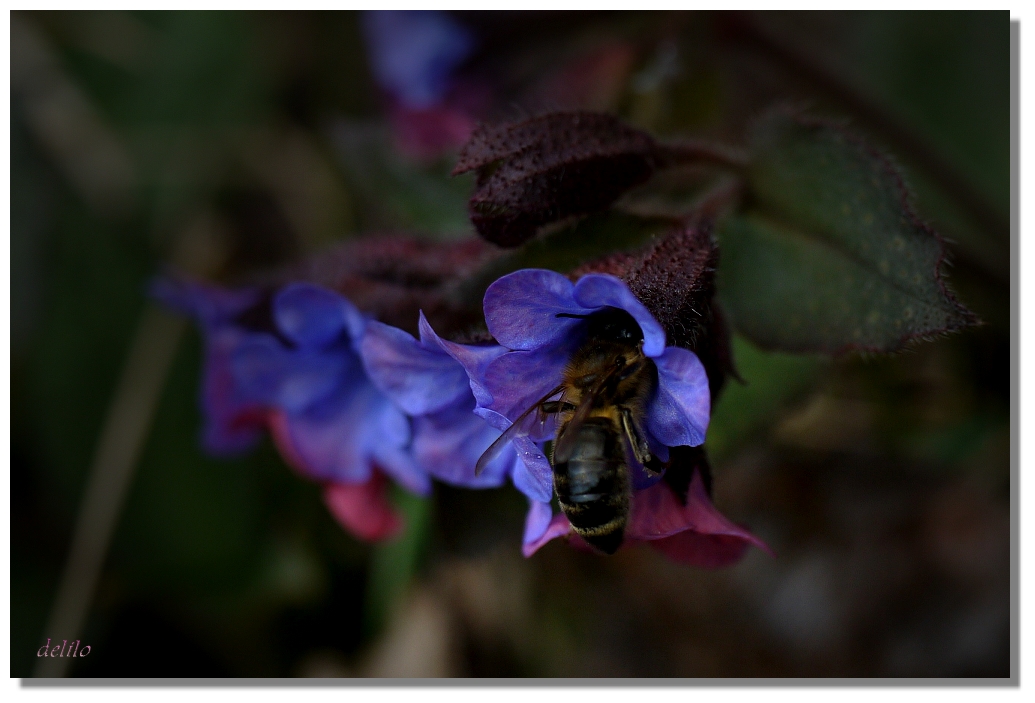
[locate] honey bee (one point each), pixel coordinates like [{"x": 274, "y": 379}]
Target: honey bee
[{"x": 600, "y": 405}]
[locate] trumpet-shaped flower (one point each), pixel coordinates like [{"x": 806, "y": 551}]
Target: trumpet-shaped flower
[
  {"x": 541, "y": 318},
  {"x": 429, "y": 379},
  {"x": 290, "y": 362}
]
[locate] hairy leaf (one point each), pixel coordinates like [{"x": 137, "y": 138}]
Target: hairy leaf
[
  {"x": 551, "y": 167},
  {"x": 830, "y": 257},
  {"x": 675, "y": 278},
  {"x": 567, "y": 248}
]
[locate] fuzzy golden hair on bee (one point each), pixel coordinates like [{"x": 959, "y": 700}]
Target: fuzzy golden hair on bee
[{"x": 599, "y": 407}]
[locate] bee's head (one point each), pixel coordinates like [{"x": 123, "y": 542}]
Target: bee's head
[{"x": 613, "y": 325}]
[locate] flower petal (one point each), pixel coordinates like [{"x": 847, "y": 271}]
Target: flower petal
[
  {"x": 521, "y": 309},
  {"x": 233, "y": 422},
  {"x": 558, "y": 526},
  {"x": 706, "y": 551},
  {"x": 363, "y": 509},
  {"x": 679, "y": 411},
  {"x": 413, "y": 53},
  {"x": 336, "y": 438},
  {"x": 403, "y": 468},
  {"x": 312, "y": 316},
  {"x": 293, "y": 379},
  {"x": 418, "y": 379},
  {"x": 517, "y": 380},
  {"x": 597, "y": 290},
  {"x": 656, "y": 513},
  {"x": 208, "y": 304},
  {"x": 537, "y": 521},
  {"x": 533, "y": 474},
  {"x": 474, "y": 358},
  {"x": 449, "y": 443}
]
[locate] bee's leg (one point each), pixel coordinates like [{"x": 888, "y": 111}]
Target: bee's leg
[
  {"x": 551, "y": 407},
  {"x": 638, "y": 444},
  {"x": 684, "y": 461},
  {"x": 654, "y": 465}
]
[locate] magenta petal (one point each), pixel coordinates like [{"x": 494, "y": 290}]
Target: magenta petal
[
  {"x": 679, "y": 411},
  {"x": 521, "y": 309},
  {"x": 537, "y": 521},
  {"x": 558, "y": 526},
  {"x": 597, "y": 290},
  {"x": 419, "y": 380},
  {"x": 363, "y": 508},
  {"x": 656, "y": 513},
  {"x": 706, "y": 551}
]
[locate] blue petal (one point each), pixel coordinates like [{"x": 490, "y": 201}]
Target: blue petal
[
  {"x": 413, "y": 53},
  {"x": 474, "y": 358},
  {"x": 330, "y": 438},
  {"x": 537, "y": 520},
  {"x": 533, "y": 474},
  {"x": 418, "y": 379},
  {"x": 340, "y": 438},
  {"x": 596, "y": 291},
  {"x": 517, "y": 380},
  {"x": 521, "y": 309},
  {"x": 678, "y": 413},
  {"x": 402, "y": 467},
  {"x": 208, "y": 304},
  {"x": 448, "y": 444},
  {"x": 290, "y": 379},
  {"x": 309, "y": 315}
]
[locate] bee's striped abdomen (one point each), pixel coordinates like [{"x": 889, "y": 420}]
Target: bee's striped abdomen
[{"x": 592, "y": 486}]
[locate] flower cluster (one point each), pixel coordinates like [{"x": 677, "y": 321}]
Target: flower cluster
[
  {"x": 351, "y": 402},
  {"x": 289, "y": 361}
]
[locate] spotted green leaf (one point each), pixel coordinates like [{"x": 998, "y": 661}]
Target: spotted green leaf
[{"x": 829, "y": 255}]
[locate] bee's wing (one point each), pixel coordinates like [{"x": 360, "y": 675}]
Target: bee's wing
[
  {"x": 566, "y": 440},
  {"x": 517, "y": 429},
  {"x": 637, "y": 443}
]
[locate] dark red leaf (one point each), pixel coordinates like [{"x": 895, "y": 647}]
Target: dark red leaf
[
  {"x": 550, "y": 167},
  {"x": 675, "y": 278}
]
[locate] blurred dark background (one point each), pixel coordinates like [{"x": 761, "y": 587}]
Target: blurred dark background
[{"x": 234, "y": 143}]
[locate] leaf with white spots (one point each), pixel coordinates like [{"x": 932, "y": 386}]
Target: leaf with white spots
[{"x": 829, "y": 256}]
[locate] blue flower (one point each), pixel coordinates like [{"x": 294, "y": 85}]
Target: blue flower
[
  {"x": 540, "y": 317},
  {"x": 337, "y": 422},
  {"x": 291, "y": 358},
  {"x": 522, "y": 312},
  {"x": 233, "y": 421},
  {"x": 431, "y": 380},
  {"x": 413, "y": 53}
]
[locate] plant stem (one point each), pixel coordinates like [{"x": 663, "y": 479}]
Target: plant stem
[{"x": 122, "y": 439}]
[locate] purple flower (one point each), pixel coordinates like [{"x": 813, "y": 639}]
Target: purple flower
[
  {"x": 413, "y": 53},
  {"x": 521, "y": 311},
  {"x": 430, "y": 379},
  {"x": 233, "y": 421},
  {"x": 413, "y": 56},
  {"x": 540, "y": 317},
  {"x": 291, "y": 360},
  {"x": 339, "y": 425}
]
